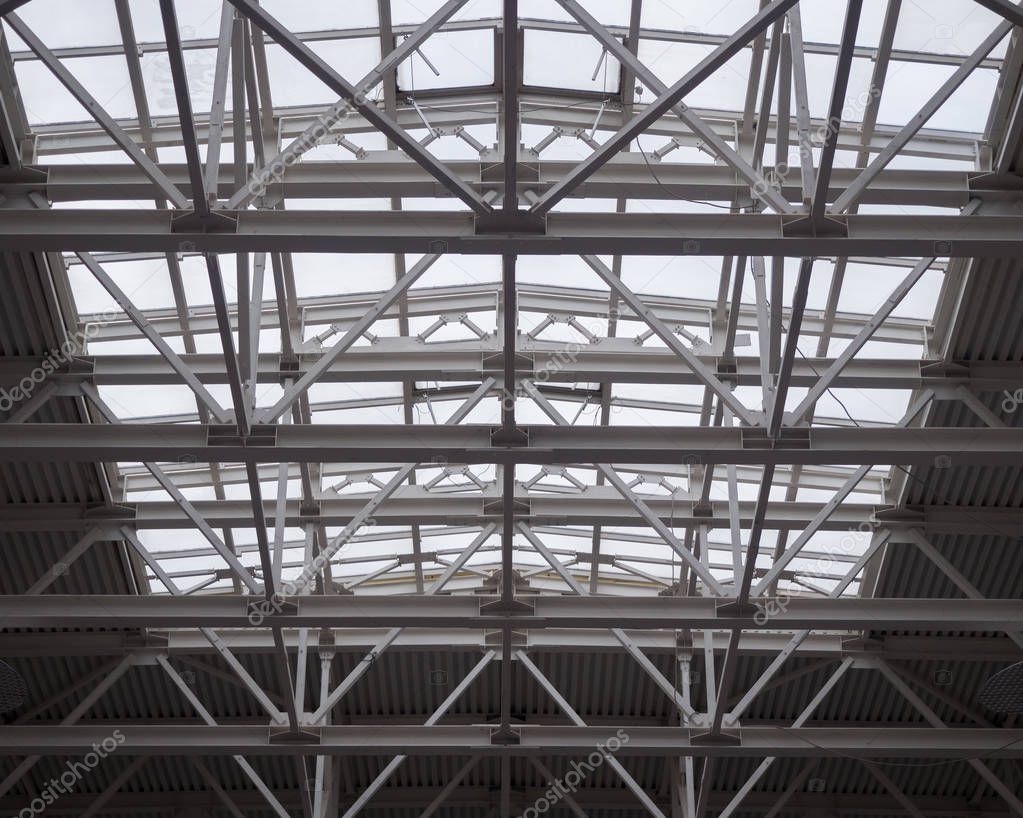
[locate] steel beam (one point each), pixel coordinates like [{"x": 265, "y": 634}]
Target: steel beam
[
  {"x": 190, "y": 642},
  {"x": 612, "y": 360},
  {"x": 541, "y": 107},
  {"x": 466, "y": 795},
  {"x": 700, "y": 234},
  {"x": 326, "y": 74},
  {"x": 665, "y": 101},
  {"x": 343, "y": 310},
  {"x": 101, "y": 611},
  {"x": 335, "y": 740},
  {"x": 387, "y": 173},
  {"x": 1010, "y": 11},
  {"x": 468, "y": 444}
]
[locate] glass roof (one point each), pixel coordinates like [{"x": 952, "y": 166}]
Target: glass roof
[{"x": 571, "y": 100}]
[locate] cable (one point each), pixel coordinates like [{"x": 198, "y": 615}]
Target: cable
[
  {"x": 668, "y": 190},
  {"x": 903, "y": 469},
  {"x": 835, "y": 397}
]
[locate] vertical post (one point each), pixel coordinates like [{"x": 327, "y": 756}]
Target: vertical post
[{"x": 511, "y": 105}]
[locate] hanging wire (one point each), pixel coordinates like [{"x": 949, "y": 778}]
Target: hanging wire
[
  {"x": 909, "y": 475},
  {"x": 671, "y": 192}
]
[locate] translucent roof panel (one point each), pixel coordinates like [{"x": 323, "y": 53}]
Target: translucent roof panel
[{"x": 417, "y": 352}]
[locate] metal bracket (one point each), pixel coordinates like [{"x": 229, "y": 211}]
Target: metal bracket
[
  {"x": 703, "y": 510},
  {"x": 289, "y": 366},
  {"x": 505, "y": 737},
  {"x": 510, "y": 437},
  {"x": 114, "y": 511},
  {"x": 889, "y": 515},
  {"x": 495, "y": 639},
  {"x": 791, "y": 438},
  {"x": 79, "y": 366},
  {"x": 309, "y": 734},
  {"x": 514, "y": 607},
  {"x": 263, "y": 608},
  {"x": 729, "y": 735},
  {"x": 803, "y": 226},
  {"x": 731, "y": 608},
  {"x": 227, "y": 435},
  {"x": 192, "y": 222},
  {"x": 518, "y": 221},
  {"x": 493, "y": 363},
  {"x": 950, "y": 370},
  {"x": 495, "y": 508}
]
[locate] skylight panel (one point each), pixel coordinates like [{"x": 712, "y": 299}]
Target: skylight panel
[
  {"x": 323, "y": 274},
  {"x": 450, "y": 60},
  {"x": 200, "y": 67},
  {"x": 695, "y": 16},
  {"x": 945, "y": 27},
  {"x": 313, "y": 16},
  {"x": 554, "y": 58},
  {"x": 874, "y": 283},
  {"x": 726, "y": 89},
  {"x": 197, "y": 19},
  {"x": 68, "y": 24},
  {"x": 823, "y": 20},
  {"x": 292, "y": 84},
  {"x": 607, "y": 12},
  {"x": 912, "y": 84},
  {"x": 106, "y": 78},
  {"x": 410, "y": 12}
]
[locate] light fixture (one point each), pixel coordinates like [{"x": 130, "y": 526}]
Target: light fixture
[
  {"x": 13, "y": 690},
  {"x": 1003, "y": 692}
]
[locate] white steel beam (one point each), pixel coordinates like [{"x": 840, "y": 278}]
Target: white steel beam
[
  {"x": 92, "y": 105},
  {"x": 665, "y": 101},
  {"x": 641, "y": 612},
  {"x": 690, "y": 118},
  {"x": 652, "y": 234},
  {"x": 326, "y": 74},
  {"x": 282, "y": 165},
  {"x": 851, "y": 194},
  {"x": 468, "y": 444}
]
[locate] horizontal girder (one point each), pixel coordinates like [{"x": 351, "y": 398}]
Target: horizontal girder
[
  {"x": 440, "y": 445},
  {"x": 397, "y": 797},
  {"x": 651, "y": 234},
  {"x": 627, "y": 175},
  {"x": 579, "y": 302},
  {"x": 190, "y": 641},
  {"x": 533, "y": 740},
  {"x": 612, "y": 360},
  {"x": 99, "y": 611},
  {"x": 594, "y": 505}
]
